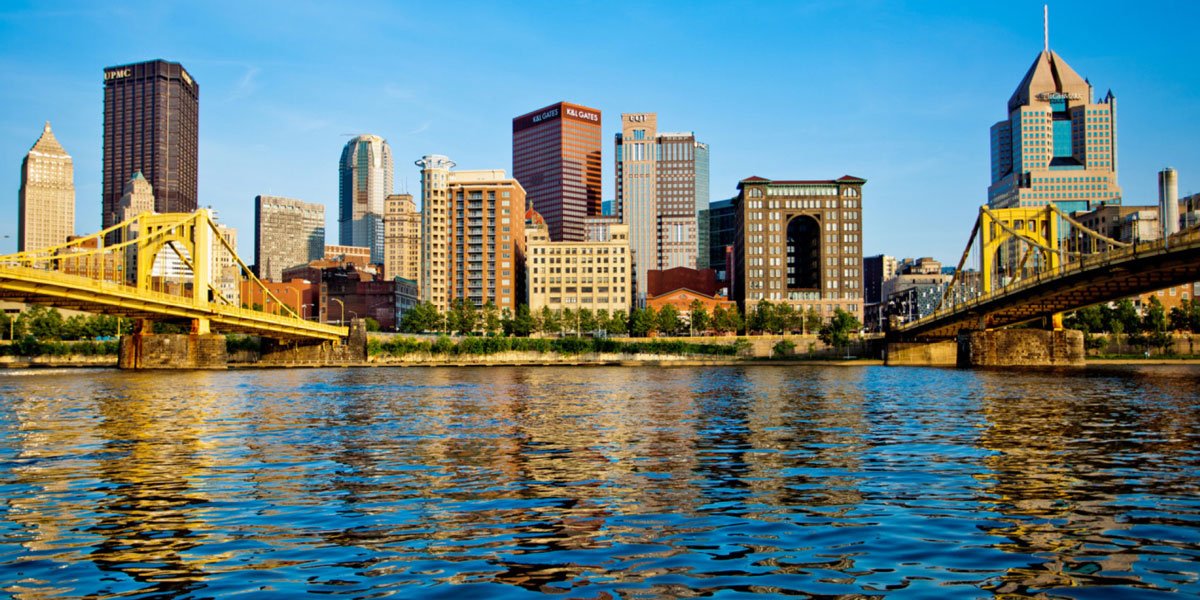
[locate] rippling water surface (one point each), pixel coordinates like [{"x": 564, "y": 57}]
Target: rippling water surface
[{"x": 601, "y": 483}]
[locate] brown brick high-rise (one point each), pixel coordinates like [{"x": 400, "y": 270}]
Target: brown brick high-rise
[{"x": 152, "y": 125}]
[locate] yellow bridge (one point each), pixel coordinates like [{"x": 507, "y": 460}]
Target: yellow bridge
[
  {"x": 156, "y": 267},
  {"x": 1034, "y": 264}
]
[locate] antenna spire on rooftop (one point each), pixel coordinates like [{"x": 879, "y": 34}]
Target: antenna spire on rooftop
[{"x": 1046, "y": 26}]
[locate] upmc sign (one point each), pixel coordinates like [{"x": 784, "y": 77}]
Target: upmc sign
[{"x": 554, "y": 113}]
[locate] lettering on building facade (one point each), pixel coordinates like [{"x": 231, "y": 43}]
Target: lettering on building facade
[
  {"x": 117, "y": 74},
  {"x": 583, "y": 115},
  {"x": 1048, "y": 96}
]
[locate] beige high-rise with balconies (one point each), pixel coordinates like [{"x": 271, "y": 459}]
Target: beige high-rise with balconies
[
  {"x": 434, "y": 281},
  {"x": 487, "y": 238},
  {"x": 593, "y": 275},
  {"x": 47, "y": 195},
  {"x": 401, "y": 237}
]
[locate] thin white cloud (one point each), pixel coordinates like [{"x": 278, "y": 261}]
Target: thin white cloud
[
  {"x": 422, "y": 128},
  {"x": 247, "y": 85}
]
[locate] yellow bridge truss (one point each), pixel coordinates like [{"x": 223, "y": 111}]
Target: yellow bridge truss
[{"x": 114, "y": 272}]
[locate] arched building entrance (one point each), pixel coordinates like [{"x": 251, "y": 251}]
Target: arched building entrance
[{"x": 803, "y": 253}]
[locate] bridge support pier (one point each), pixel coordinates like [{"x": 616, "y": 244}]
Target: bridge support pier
[
  {"x": 1021, "y": 348},
  {"x": 172, "y": 351},
  {"x": 350, "y": 351},
  {"x": 922, "y": 354}
]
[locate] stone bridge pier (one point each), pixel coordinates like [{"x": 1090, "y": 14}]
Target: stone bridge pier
[
  {"x": 146, "y": 350},
  {"x": 993, "y": 348}
]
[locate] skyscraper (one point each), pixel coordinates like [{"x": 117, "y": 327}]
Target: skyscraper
[
  {"x": 287, "y": 233},
  {"x": 364, "y": 181},
  {"x": 46, "y": 196},
  {"x": 435, "y": 230},
  {"x": 1057, "y": 145},
  {"x": 151, "y": 125},
  {"x": 682, "y": 193},
  {"x": 402, "y": 237},
  {"x": 556, "y": 159},
  {"x": 662, "y": 184}
]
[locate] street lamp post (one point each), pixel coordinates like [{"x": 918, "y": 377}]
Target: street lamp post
[{"x": 343, "y": 305}]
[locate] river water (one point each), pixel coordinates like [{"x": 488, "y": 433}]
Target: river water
[{"x": 601, "y": 483}]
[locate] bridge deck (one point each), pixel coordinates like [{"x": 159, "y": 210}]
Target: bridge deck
[
  {"x": 1095, "y": 279},
  {"x": 50, "y": 288}
]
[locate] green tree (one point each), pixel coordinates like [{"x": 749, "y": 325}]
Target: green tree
[
  {"x": 506, "y": 321},
  {"x": 1089, "y": 319},
  {"x": 782, "y": 318},
  {"x": 698, "y": 318},
  {"x": 836, "y": 333},
  {"x": 1155, "y": 318},
  {"x": 464, "y": 317},
  {"x": 1126, "y": 314},
  {"x": 727, "y": 319},
  {"x": 421, "y": 318},
  {"x": 812, "y": 320},
  {"x": 371, "y": 324},
  {"x": 1178, "y": 317},
  {"x": 668, "y": 320},
  {"x": 601, "y": 318},
  {"x": 43, "y": 323},
  {"x": 491, "y": 318},
  {"x": 566, "y": 321},
  {"x": 550, "y": 323},
  {"x": 587, "y": 320},
  {"x": 523, "y": 324},
  {"x": 618, "y": 323},
  {"x": 642, "y": 322},
  {"x": 759, "y": 318}
]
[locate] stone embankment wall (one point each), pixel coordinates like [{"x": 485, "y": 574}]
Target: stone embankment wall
[
  {"x": 69, "y": 360},
  {"x": 548, "y": 359}
]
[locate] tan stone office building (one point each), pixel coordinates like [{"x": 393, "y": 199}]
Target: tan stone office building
[
  {"x": 46, "y": 196},
  {"x": 594, "y": 275},
  {"x": 401, "y": 237},
  {"x": 288, "y": 232},
  {"x": 799, "y": 242}
]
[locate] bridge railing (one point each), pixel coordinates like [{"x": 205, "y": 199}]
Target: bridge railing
[{"x": 1080, "y": 263}]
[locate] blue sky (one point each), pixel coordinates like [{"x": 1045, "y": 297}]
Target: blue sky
[{"x": 900, "y": 93}]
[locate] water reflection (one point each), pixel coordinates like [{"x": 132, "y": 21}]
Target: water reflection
[
  {"x": 1074, "y": 466},
  {"x": 601, "y": 482}
]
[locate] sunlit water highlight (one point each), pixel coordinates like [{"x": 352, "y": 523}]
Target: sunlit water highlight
[{"x": 601, "y": 483}]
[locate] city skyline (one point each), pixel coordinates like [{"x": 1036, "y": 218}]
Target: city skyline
[{"x": 880, "y": 111}]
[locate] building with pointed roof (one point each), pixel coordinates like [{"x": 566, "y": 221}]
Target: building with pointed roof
[
  {"x": 1057, "y": 144},
  {"x": 47, "y": 195}
]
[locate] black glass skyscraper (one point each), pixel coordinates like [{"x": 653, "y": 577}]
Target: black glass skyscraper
[{"x": 152, "y": 125}]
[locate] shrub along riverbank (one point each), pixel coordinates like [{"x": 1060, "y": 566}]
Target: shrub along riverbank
[{"x": 483, "y": 346}]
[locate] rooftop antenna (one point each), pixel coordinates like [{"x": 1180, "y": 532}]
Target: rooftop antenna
[{"x": 1046, "y": 26}]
